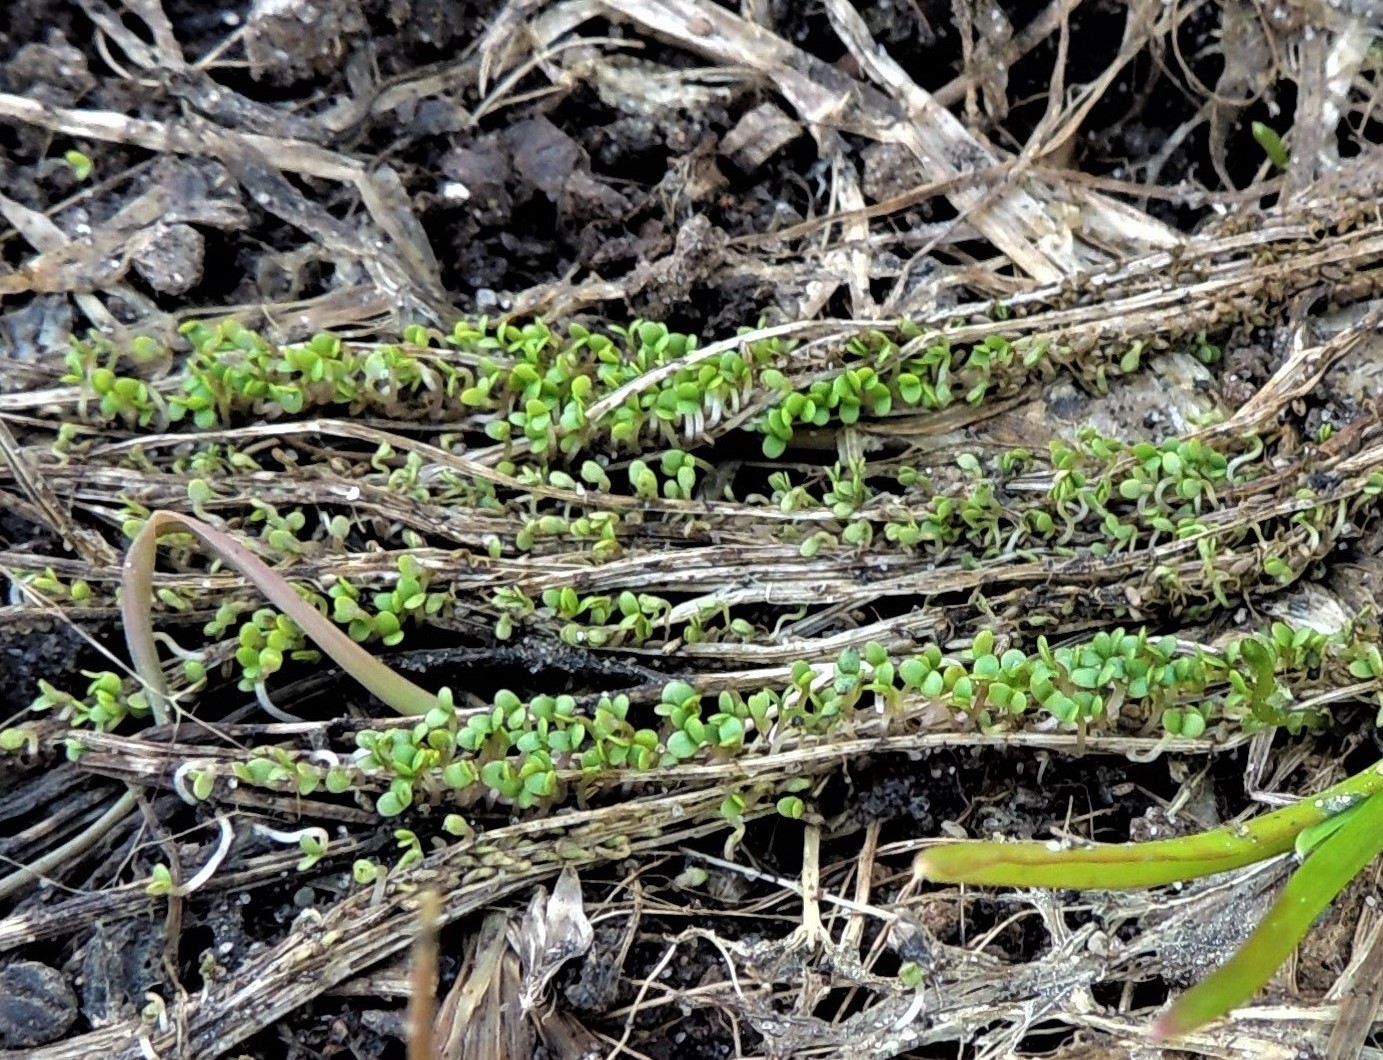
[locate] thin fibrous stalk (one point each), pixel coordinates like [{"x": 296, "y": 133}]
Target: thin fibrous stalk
[
  {"x": 36, "y": 870},
  {"x": 423, "y": 978}
]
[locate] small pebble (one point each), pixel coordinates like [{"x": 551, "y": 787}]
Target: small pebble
[{"x": 37, "y": 1005}]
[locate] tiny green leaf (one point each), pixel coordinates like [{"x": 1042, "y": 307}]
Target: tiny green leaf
[{"x": 1272, "y": 144}]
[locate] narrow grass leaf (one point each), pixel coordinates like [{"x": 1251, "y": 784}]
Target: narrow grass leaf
[
  {"x": 1326, "y": 872},
  {"x": 136, "y": 596},
  {"x": 1123, "y": 866}
]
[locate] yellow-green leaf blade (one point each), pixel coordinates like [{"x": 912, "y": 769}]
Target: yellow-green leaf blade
[
  {"x": 1324, "y": 874},
  {"x": 137, "y": 579},
  {"x": 1122, "y": 866}
]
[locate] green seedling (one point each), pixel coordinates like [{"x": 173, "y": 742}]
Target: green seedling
[
  {"x": 1272, "y": 144},
  {"x": 82, "y": 166},
  {"x": 1340, "y": 830},
  {"x": 137, "y": 594}
]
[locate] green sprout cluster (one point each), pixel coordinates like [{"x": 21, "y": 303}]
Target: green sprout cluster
[
  {"x": 1147, "y": 679},
  {"x": 233, "y": 369},
  {"x": 94, "y": 365},
  {"x": 408, "y": 601},
  {"x": 597, "y": 531},
  {"x": 524, "y": 754},
  {"x": 905, "y": 371},
  {"x": 267, "y": 639},
  {"x": 679, "y": 476},
  {"x": 279, "y": 769},
  {"x": 1096, "y": 495},
  {"x": 879, "y": 376},
  {"x": 624, "y": 619},
  {"x": 534, "y": 383},
  {"x": 76, "y": 591},
  {"x": 1099, "y": 497},
  {"x": 264, "y": 642},
  {"x": 108, "y": 701},
  {"x": 529, "y": 754},
  {"x": 1098, "y": 492},
  {"x": 517, "y": 381},
  {"x": 607, "y": 621}
]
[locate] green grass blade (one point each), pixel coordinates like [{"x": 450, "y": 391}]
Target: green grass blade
[
  {"x": 1123, "y": 866},
  {"x": 137, "y": 592},
  {"x": 1329, "y": 868}
]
